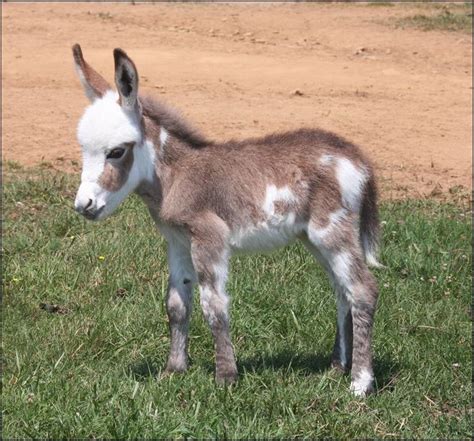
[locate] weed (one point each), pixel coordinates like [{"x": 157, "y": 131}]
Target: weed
[{"x": 445, "y": 20}]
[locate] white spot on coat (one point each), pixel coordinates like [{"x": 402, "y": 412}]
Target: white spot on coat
[
  {"x": 163, "y": 136},
  {"x": 319, "y": 235},
  {"x": 351, "y": 182},
  {"x": 275, "y": 194},
  {"x": 341, "y": 266},
  {"x": 276, "y": 230}
]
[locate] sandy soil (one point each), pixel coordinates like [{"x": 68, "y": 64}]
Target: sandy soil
[{"x": 404, "y": 95}]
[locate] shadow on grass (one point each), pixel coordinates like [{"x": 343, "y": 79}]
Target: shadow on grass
[
  {"x": 386, "y": 371},
  {"x": 286, "y": 360},
  {"x": 143, "y": 369}
]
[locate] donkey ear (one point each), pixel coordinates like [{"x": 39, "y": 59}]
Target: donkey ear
[
  {"x": 126, "y": 79},
  {"x": 94, "y": 84}
]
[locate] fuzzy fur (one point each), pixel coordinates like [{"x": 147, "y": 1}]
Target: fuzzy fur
[{"x": 212, "y": 199}]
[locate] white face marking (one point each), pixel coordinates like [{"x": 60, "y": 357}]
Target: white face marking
[
  {"x": 362, "y": 384},
  {"x": 104, "y": 126},
  {"x": 351, "y": 182}
]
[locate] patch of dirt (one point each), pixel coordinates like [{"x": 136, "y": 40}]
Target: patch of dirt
[{"x": 238, "y": 70}]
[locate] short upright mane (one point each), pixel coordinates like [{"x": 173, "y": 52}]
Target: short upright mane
[{"x": 172, "y": 121}]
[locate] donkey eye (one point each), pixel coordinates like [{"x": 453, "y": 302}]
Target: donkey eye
[{"x": 115, "y": 153}]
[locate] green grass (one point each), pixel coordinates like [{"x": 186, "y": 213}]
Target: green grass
[
  {"x": 446, "y": 19},
  {"x": 94, "y": 371}
]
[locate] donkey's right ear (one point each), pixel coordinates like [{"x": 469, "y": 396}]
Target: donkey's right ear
[{"x": 95, "y": 86}]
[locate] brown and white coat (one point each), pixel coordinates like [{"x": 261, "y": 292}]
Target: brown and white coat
[{"x": 211, "y": 199}]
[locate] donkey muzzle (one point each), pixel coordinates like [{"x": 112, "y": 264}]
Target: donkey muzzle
[{"x": 88, "y": 208}]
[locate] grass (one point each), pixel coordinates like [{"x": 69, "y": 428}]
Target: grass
[
  {"x": 90, "y": 366},
  {"x": 446, "y": 19}
]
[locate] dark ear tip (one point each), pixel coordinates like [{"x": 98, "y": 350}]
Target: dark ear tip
[
  {"x": 77, "y": 52},
  {"x": 119, "y": 53}
]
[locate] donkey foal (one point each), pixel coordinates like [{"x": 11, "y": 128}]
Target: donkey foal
[{"x": 211, "y": 199}]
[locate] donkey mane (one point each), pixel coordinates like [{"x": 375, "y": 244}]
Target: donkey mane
[
  {"x": 172, "y": 120},
  {"x": 301, "y": 136}
]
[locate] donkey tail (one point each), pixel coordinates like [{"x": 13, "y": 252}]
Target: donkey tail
[{"x": 370, "y": 224}]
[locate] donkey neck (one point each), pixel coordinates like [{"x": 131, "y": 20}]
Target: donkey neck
[
  {"x": 173, "y": 141},
  {"x": 167, "y": 151}
]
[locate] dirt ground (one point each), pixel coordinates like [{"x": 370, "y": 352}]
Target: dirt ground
[{"x": 404, "y": 95}]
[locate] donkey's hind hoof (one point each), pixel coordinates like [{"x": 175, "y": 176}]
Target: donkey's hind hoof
[{"x": 363, "y": 384}]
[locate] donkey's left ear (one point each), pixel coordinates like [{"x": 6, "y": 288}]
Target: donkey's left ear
[{"x": 126, "y": 80}]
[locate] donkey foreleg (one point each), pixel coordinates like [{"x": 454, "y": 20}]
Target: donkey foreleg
[
  {"x": 179, "y": 304},
  {"x": 214, "y": 302},
  {"x": 211, "y": 261}
]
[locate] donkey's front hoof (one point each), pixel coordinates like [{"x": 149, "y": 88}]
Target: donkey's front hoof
[
  {"x": 175, "y": 366},
  {"x": 361, "y": 392},
  {"x": 227, "y": 377}
]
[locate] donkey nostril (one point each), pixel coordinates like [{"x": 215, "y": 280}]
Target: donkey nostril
[{"x": 88, "y": 206}]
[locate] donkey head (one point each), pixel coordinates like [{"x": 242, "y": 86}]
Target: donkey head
[{"x": 116, "y": 156}]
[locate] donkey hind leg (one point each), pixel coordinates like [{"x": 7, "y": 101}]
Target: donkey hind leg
[
  {"x": 179, "y": 304},
  {"x": 342, "y": 352},
  {"x": 211, "y": 268},
  {"x": 357, "y": 293}
]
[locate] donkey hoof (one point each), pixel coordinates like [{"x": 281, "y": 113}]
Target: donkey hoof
[
  {"x": 177, "y": 368},
  {"x": 360, "y": 392},
  {"x": 226, "y": 378},
  {"x": 363, "y": 384}
]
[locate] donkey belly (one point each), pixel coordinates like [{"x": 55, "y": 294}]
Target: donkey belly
[{"x": 266, "y": 236}]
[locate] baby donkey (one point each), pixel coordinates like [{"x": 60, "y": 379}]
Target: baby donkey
[{"x": 211, "y": 199}]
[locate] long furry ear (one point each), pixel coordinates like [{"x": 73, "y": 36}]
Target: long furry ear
[
  {"x": 95, "y": 86},
  {"x": 126, "y": 80}
]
